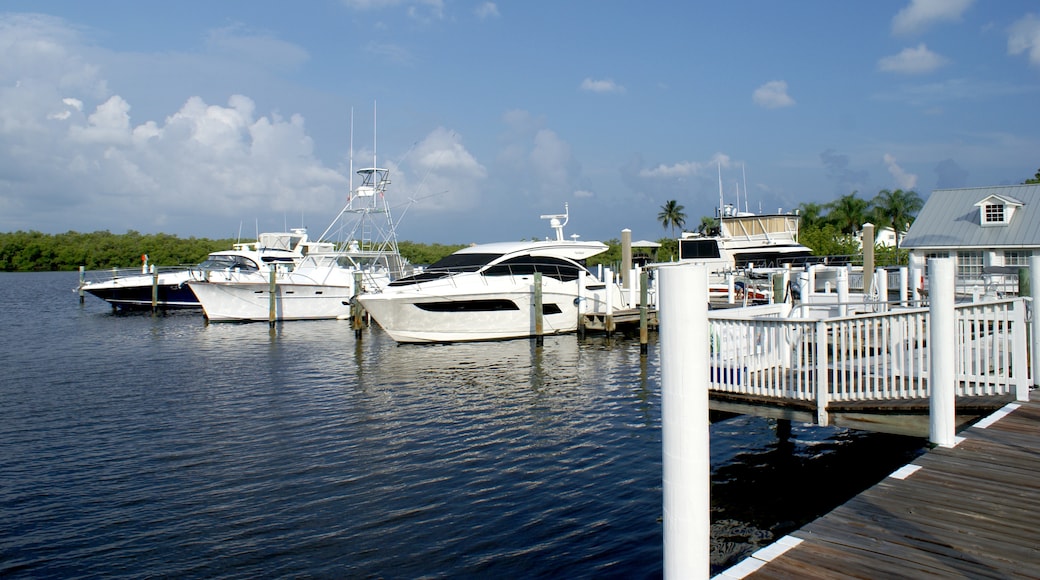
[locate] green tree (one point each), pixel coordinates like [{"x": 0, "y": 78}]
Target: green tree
[
  {"x": 848, "y": 213},
  {"x": 897, "y": 210},
  {"x": 672, "y": 215},
  {"x": 708, "y": 225},
  {"x": 1035, "y": 179},
  {"x": 810, "y": 214}
]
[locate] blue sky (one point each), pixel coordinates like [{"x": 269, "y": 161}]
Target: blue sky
[{"x": 213, "y": 118}]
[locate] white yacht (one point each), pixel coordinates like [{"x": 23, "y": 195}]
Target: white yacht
[
  {"x": 486, "y": 292},
  {"x": 322, "y": 284},
  {"x": 167, "y": 288}
]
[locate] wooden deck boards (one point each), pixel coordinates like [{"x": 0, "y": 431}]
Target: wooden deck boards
[{"x": 971, "y": 511}]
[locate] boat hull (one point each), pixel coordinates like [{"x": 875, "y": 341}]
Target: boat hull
[
  {"x": 252, "y": 301},
  {"x": 171, "y": 291},
  {"x": 503, "y": 308}
]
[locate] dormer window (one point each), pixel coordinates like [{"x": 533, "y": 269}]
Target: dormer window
[
  {"x": 993, "y": 214},
  {"x": 997, "y": 210}
]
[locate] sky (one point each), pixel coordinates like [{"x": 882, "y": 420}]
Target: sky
[{"x": 221, "y": 119}]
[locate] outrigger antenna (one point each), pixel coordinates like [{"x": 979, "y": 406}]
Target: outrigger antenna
[{"x": 554, "y": 221}]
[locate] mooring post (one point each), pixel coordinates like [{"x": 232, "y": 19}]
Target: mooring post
[
  {"x": 355, "y": 306},
  {"x": 942, "y": 347},
  {"x": 82, "y": 281},
  {"x": 643, "y": 306},
  {"x": 583, "y": 279},
  {"x": 155, "y": 290},
  {"x": 683, "y": 308},
  {"x": 272, "y": 309},
  {"x": 608, "y": 289},
  {"x": 538, "y": 338}
]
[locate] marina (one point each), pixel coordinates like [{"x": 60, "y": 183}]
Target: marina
[{"x": 163, "y": 445}]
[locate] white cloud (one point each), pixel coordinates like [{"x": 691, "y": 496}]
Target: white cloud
[
  {"x": 435, "y": 8},
  {"x": 1024, "y": 37},
  {"x": 74, "y": 158},
  {"x": 486, "y": 10},
  {"x": 443, "y": 175},
  {"x": 917, "y": 60},
  {"x": 686, "y": 169},
  {"x": 245, "y": 45},
  {"x": 773, "y": 95},
  {"x": 903, "y": 179},
  {"x": 601, "y": 86},
  {"x": 920, "y": 14}
]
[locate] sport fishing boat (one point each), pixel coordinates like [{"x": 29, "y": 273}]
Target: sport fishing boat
[
  {"x": 487, "y": 292},
  {"x": 322, "y": 284},
  {"x": 167, "y": 288}
]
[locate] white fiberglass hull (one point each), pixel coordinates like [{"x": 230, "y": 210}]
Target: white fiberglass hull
[
  {"x": 224, "y": 302},
  {"x": 490, "y": 309}
]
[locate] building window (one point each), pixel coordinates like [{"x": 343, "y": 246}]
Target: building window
[
  {"x": 969, "y": 264},
  {"x": 929, "y": 256},
  {"x": 1017, "y": 257},
  {"x": 994, "y": 213}
]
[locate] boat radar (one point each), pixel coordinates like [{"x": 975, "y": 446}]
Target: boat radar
[{"x": 555, "y": 223}]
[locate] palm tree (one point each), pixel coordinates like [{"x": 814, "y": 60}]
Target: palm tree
[
  {"x": 708, "y": 225},
  {"x": 672, "y": 216},
  {"x": 848, "y": 213},
  {"x": 897, "y": 209},
  {"x": 810, "y": 214}
]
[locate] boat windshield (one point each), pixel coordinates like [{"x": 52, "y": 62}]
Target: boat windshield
[
  {"x": 223, "y": 262},
  {"x": 448, "y": 265}
]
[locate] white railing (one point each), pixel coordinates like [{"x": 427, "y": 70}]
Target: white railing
[{"x": 881, "y": 356}]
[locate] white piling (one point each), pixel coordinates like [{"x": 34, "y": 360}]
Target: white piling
[
  {"x": 1034, "y": 289},
  {"x": 843, "y": 292},
  {"x": 683, "y": 304},
  {"x": 942, "y": 348}
]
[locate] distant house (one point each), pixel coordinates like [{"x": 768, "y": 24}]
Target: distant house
[
  {"x": 991, "y": 231},
  {"x": 884, "y": 237}
]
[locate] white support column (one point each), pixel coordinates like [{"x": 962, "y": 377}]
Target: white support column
[
  {"x": 942, "y": 350},
  {"x": 1034, "y": 288},
  {"x": 684, "y": 419},
  {"x": 904, "y": 286},
  {"x": 1019, "y": 334}
]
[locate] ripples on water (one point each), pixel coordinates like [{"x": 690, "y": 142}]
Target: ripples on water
[{"x": 136, "y": 446}]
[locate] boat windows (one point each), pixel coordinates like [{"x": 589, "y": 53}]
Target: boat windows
[
  {"x": 448, "y": 265},
  {"x": 491, "y": 305},
  {"x": 698, "y": 249},
  {"x": 229, "y": 263},
  {"x": 527, "y": 265}
]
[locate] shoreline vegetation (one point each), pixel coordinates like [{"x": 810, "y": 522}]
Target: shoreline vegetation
[{"x": 33, "y": 251}]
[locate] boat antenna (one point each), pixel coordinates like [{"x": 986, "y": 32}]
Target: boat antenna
[
  {"x": 745, "y": 186},
  {"x": 720, "y": 189}
]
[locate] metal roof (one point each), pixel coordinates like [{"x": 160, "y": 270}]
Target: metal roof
[{"x": 950, "y": 219}]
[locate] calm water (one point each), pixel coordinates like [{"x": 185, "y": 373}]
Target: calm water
[{"x": 134, "y": 446}]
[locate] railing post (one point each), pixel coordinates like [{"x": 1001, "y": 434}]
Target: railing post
[
  {"x": 820, "y": 359},
  {"x": 942, "y": 352},
  {"x": 683, "y": 304}
]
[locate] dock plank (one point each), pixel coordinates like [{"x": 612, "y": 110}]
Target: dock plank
[{"x": 971, "y": 511}]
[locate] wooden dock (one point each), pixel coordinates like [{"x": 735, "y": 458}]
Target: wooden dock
[
  {"x": 968, "y": 511},
  {"x": 626, "y": 320}
]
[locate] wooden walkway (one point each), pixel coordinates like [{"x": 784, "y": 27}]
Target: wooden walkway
[{"x": 970, "y": 511}]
